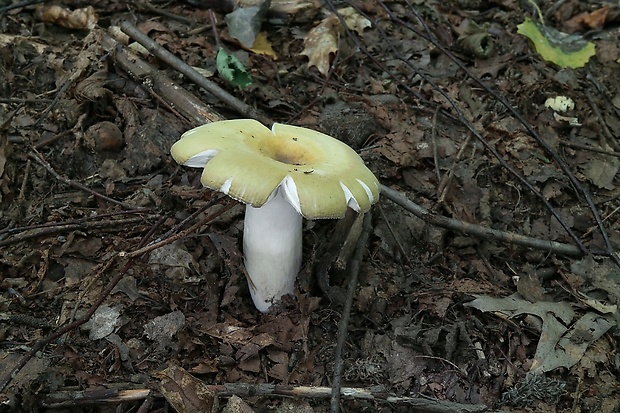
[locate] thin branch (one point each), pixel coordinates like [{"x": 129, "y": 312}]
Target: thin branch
[
  {"x": 114, "y": 224},
  {"x": 378, "y": 394},
  {"x": 478, "y": 230},
  {"x": 37, "y": 157},
  {"x": 158, "y": 84},
  {"x": 589, "y": 148},
  {"x": 343, "y": 325},
  {"x": 182, "y": 67},
  {"x": 179, "y": 235}
]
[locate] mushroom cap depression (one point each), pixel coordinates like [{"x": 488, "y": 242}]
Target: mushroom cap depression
[{"x": 320, "y": 175}]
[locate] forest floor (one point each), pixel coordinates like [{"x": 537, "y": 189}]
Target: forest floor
[{"x": 496, "y": 290}]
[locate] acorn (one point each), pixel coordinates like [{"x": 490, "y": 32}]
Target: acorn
[{"x": 104, "y": 136}]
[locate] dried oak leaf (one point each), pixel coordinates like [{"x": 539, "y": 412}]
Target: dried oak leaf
[
  {"x": 185, "y": 393},
  {"x": 602, "y": 170},
  {"x": 322, "y": 40}
]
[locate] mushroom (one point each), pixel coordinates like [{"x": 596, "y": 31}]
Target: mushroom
[{"x": 282, "y": 175}]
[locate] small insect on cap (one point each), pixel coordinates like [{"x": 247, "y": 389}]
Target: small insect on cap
[{"x": 320, "y": 175}]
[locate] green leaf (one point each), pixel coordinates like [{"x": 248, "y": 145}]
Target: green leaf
[
  {"x": 232, "y": 70},
  {"x": 556, "y": 47}
]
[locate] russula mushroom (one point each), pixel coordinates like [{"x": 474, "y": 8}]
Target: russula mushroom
[{"x": 282, "y": 175}]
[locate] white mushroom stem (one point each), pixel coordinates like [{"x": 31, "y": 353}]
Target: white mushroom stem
[{"x": 272, "y": 250}]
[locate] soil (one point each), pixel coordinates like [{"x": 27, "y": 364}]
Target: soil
[{"x": 122, "y": 284}]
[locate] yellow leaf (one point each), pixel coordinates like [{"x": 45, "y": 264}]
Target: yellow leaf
[
  {"x": 556, "y": 47},
  {"x": 263, "y": 46}
]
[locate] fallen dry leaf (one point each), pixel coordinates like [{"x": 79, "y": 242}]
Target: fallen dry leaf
[
  {"x": 588, "y": 21},
  {"x": 161, "y": 329},
  {"x": 186, "y": 393},
  {"x": 601, "y": 170},
  {"x": 322, "y": 40},
  {"x": 263, "y": 46},
  {"x": 103, "y": 322}
]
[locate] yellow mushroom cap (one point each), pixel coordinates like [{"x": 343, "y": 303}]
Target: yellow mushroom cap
[{"x": 320, "y": 175}]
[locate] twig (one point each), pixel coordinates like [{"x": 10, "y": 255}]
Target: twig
[
  {"x": 589, "y": 148},
  {"x": 607, "y": 138},
  {"x": 22, "y": 189},
  {"x": 24, "y": 100},
  {"x": 226, "y": 98},
  {"x": 478, "y": 230},
  {"x": 216, "y": 36},
  {"x": 65, "y": 227},
  {"x": 145, "y": 5},
  {"x": 19, "y": 5},
  {"x": 154, "y": 80},
  {"x": 67, "y": 222},
  {"x": 52, "y": 139},
  {"x": 421, "y": 403},
  {"x": 37, "y": 157},
  {"x": 92, "y": 397},
  {"x": 181, "y": 234},
  {"x": 343, "y": 325},
  {"x": 434, "y": 143},
  {"x": 396, "y": 239},
  {"x": 63, "y": 88}
]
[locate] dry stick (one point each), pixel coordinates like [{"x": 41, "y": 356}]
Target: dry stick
[
  {"x": 53, "y": 139},
  {"x": 24, "y": 100},
  {"x": 556, "y": 157},
  {"x": 216, "y": 36},
  {"x": 191, "y": 217},
  {"x": 19, "y": 5},
  {"x": 589, "y": 148},
  {"x": 145, "y": 5},
  {"x": 397, "y": 241},
  {"x": 67, "y": 222},
  {"x": 93, "y": 397},
  {"x": 181, "y": 234},
  {"x": 606, "y": 137},
  {"x": 37, "y": 157},
  {"x": 22, "y": 189},
  {"x": 60, "y": 228},
  {"x": 186, "y": 103},
  {"x": 477, "y": 230},
  {"x": 192, "y": 74},
  {"x": 59, "y": 94},
  {"x": 343, "y": 325}
]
